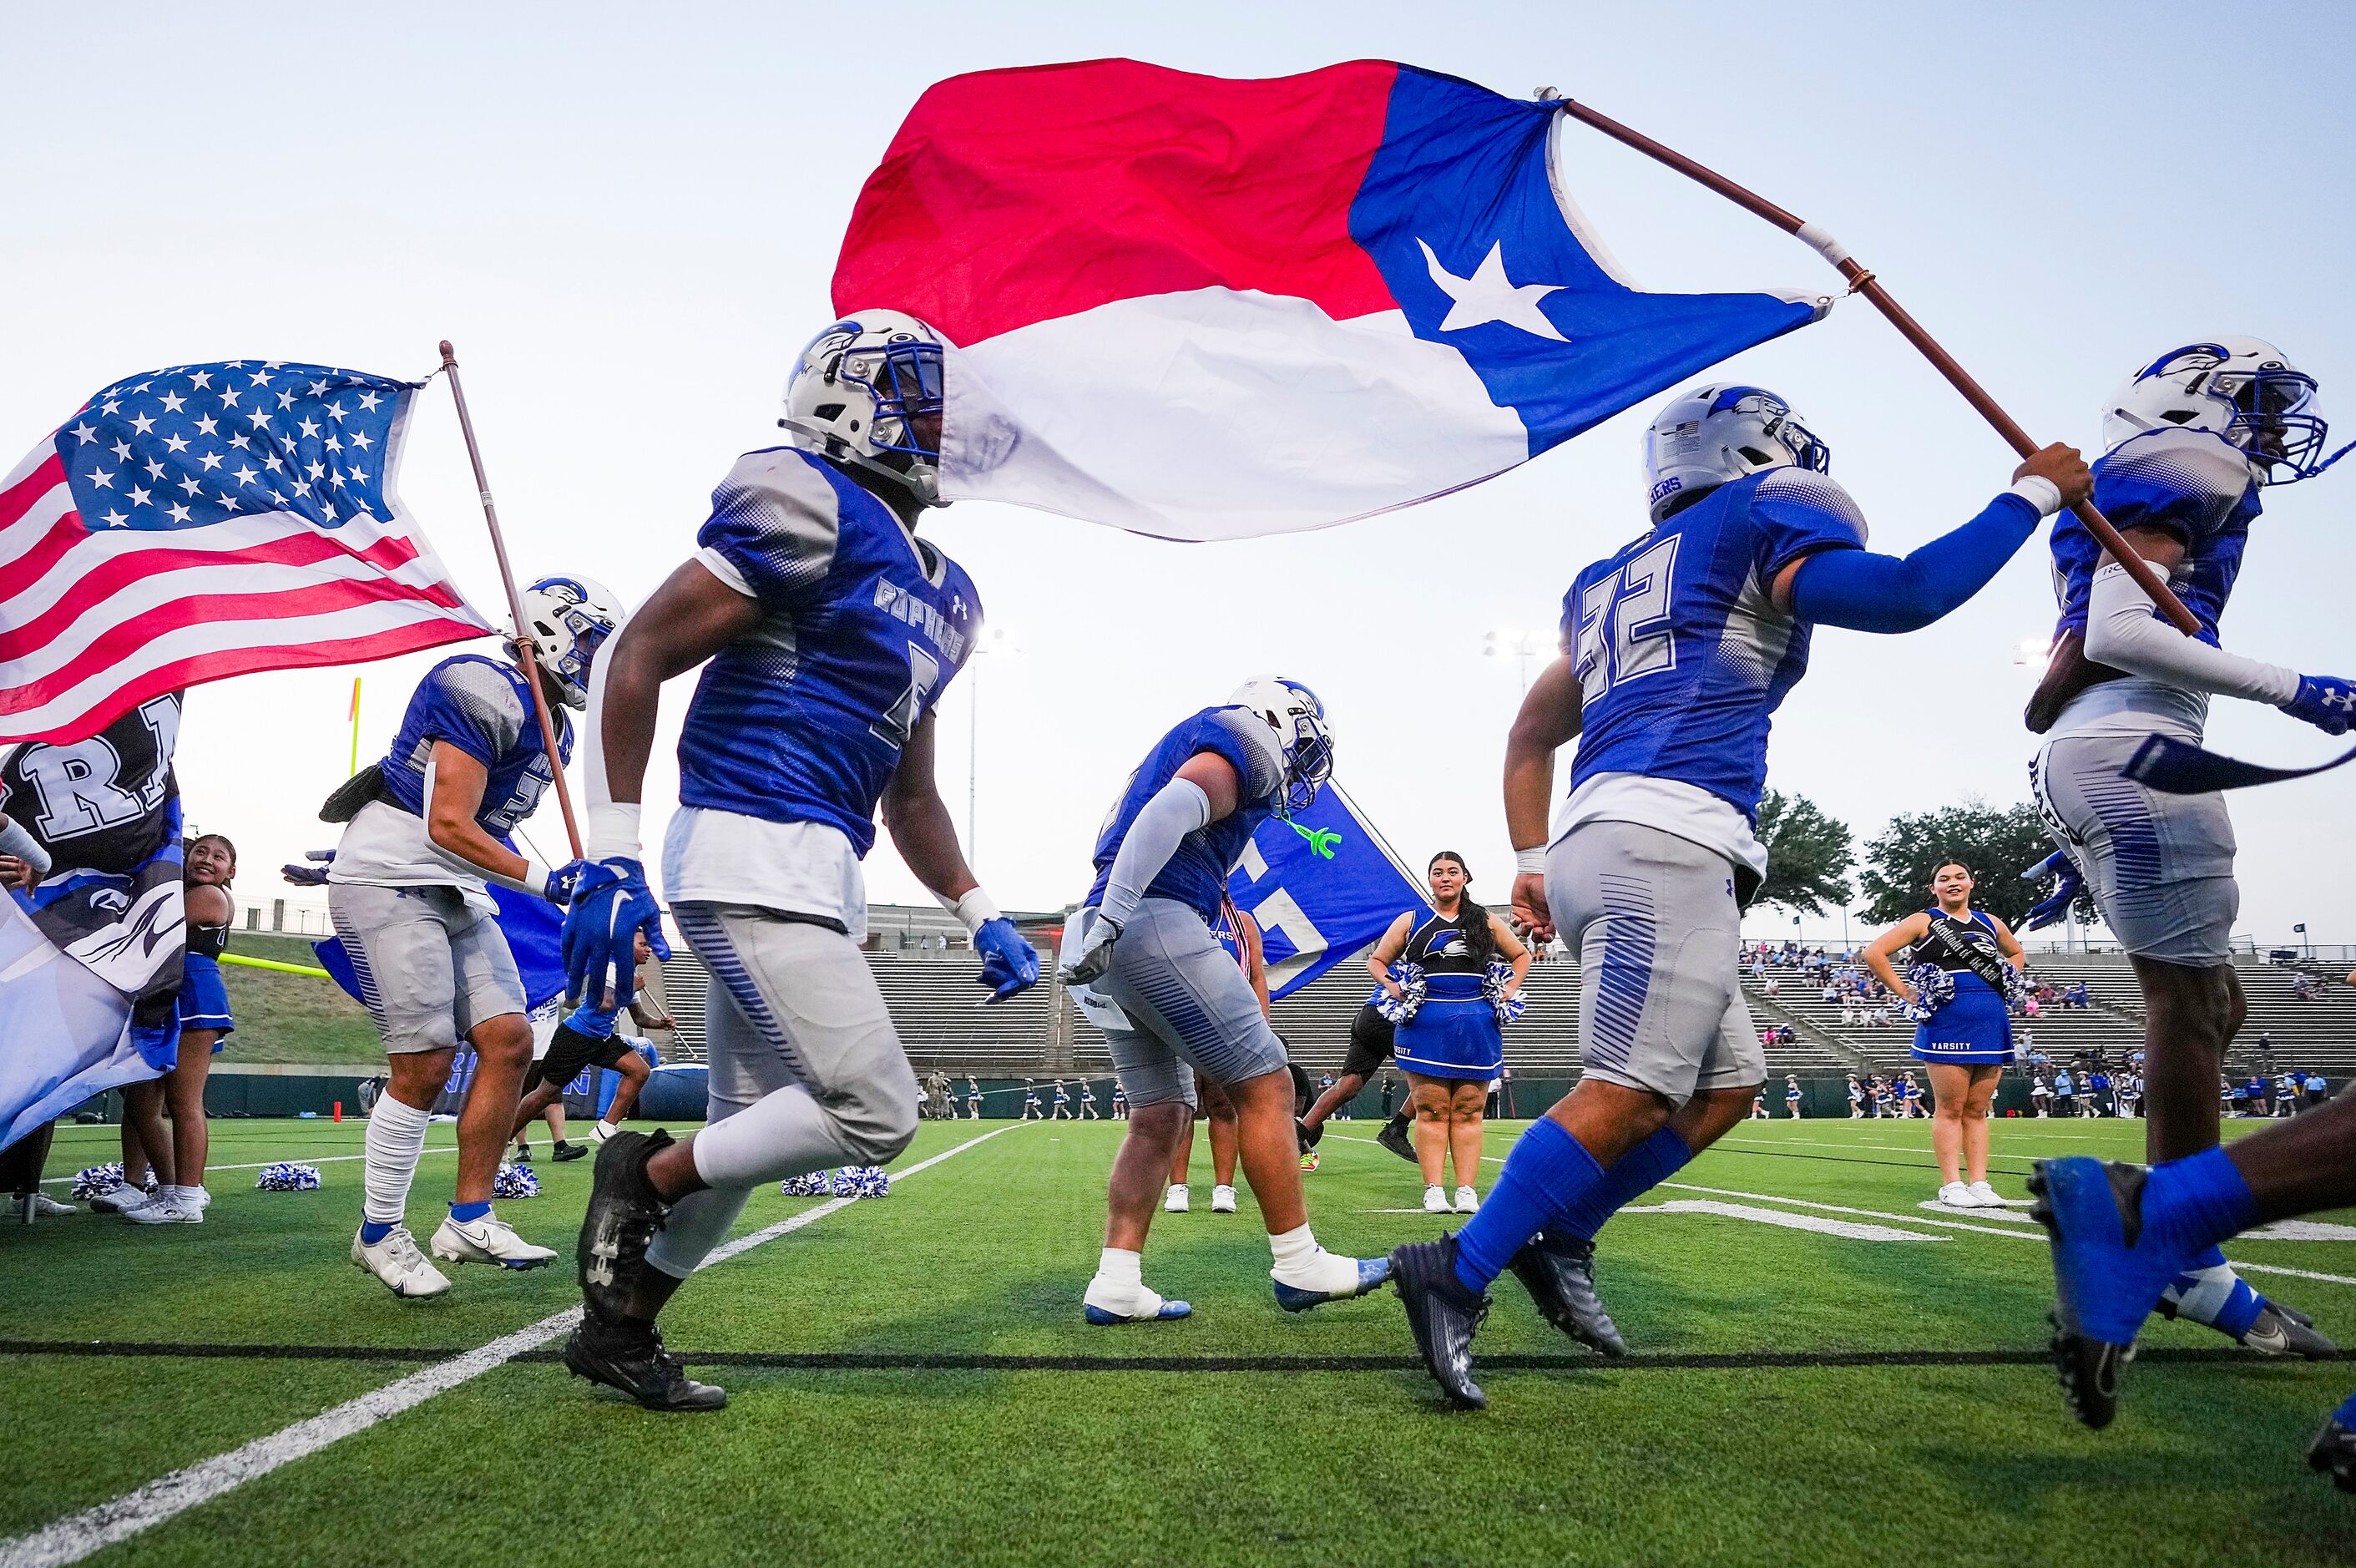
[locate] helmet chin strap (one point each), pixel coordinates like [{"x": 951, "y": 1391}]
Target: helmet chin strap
[{"x": 924, "y": 491}]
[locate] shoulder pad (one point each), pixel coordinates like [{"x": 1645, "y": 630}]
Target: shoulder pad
[
  {"x": 2192, "y": 462},
  {"x": 1817, "y": 492},
  {"x": 1265, "y": 776},
  {"x": 780, "y": 505},
  {"x": 488, "y": 694}
]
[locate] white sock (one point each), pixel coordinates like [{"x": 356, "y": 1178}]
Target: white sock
[
  {"x": 1118, "y": 1266},
  {"x": 188, "y": 1197},
  {"x": 1295, "y": 1250},
  {"x": 396, "y": 1138}
]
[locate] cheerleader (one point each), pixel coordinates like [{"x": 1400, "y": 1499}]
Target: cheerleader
[
  {"x": 1451, "y": 1047},
  {"x": 210, "y": 864},
  {"x": 1967, "y": 1039}
]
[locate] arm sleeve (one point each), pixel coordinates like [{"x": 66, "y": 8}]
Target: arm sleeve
[
  {"x": 2123, "y": 632},
  {"x": 774, "y": 523},
  {"x": 1866, "y": 591},
  {"x": 1153, "y": 836}
]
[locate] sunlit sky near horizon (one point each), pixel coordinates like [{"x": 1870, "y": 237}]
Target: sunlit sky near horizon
[{"x": 625, "y": 218}]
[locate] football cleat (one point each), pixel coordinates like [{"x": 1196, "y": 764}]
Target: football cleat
[
  {"x": 2103, "y": 1285},
  {"x": 489, "y": 1240},
  {"x": 602, "y": 1131},
  {"x": 2333, "y": 1451},
  {"x": 624, "y": 1212},
  {"x": 1310, "y": 1136},
  {"x": 1393, "y": 1137},
  {"x": 624, "y": 1354},
  {"x": 1559, "y": 1274},
  {"x": 1327, "y": 1277},
  {"x": 396, "y": 1261},
  {"x": 1223, "y": 1200},
  {"x": 1444, "y": 1316},
  {"x": 522, "y": 1154},
  {"x": 2280, "y": 1331},
  {"x": 1105, "y": 1305},
  {"x": 1175, "y": 1202},
  {"x": 1309, "y": 1161}
]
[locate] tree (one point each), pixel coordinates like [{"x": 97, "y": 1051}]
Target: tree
[
  {"x": 1997, "y": 843},
  {"x": 1809, "y": 854}
]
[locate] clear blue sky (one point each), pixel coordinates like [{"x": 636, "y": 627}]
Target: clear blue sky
[{"x": 625, "y": 218}]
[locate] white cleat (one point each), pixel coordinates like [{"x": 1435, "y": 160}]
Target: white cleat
[
  {"x": 1956, "y": 1194},
  {"x": 1467, "y": 1200},
  {"x": 489, "y": 1240},
  {"x": 1223, "y": 1200},
  {"x": 602, "y": 1130},
  {"x": 1435, "y": 1200},
  {"x": 1985, "y": 1197},
  {"x": 399, "y": 1265},
  {"x": 1174, "y": 1201}
]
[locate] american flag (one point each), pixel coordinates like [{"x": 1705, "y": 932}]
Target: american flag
[{"x": 209, "y": 521}]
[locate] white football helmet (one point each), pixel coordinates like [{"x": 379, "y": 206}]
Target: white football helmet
[
  {"x": 1299, "y": 722},
  {"x": 859, "y": 390},
  {"x": 568, "y": 618},
  {"x": 2242, "y": 389},
  {"x": 1703, "y": 438}
]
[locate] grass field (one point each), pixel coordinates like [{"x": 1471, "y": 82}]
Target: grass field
[{"x": 911, "y": 1382}]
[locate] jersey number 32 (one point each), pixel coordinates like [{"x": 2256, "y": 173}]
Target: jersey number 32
[{"x": 1623, "y": 622}]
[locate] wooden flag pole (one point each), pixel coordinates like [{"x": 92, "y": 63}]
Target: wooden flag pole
[
  {"x": 1861, "y": 281},
  {"x": 523, "y": 643}
]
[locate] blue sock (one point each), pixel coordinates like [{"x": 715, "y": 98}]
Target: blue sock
[
  {"x": 1549, "y": 1173},
  {"x": 372, "y": 1231},
  {"x": 2345, "y": 1414},
  {"x": 1635, "y": 1173},
  {"x": 465, "y": 1213},
  {"x": 2198, "y": 1202}
]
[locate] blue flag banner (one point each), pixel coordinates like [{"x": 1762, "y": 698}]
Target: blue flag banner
[
  {"x": 1324, "y": 886},
  {"x": 533, "y": 928}
]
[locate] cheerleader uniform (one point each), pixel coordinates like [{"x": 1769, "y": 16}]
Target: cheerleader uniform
[
  {"x": 1974, "y": 1029},
  {"x": 204, "y": 998},
  {"x": 1454, "y": 1033}
]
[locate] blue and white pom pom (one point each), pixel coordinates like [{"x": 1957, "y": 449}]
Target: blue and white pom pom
[
  {"x": 861, "y": 1181},
  {"x": 515, "y": 1181},
  {"x": 97, "y": 1181},
  {"x": 1500, "y": 975},
  {"x": 1409, "y": 979},
  {"x": 1934, "y": 988},
  {"x": 287, "y": 1176},
  {"x": 816, "y": 1184}
]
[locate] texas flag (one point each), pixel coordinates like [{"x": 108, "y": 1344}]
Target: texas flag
[{"x": 1204, "y": 308}]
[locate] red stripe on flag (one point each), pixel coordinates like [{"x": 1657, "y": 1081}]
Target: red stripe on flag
[
  {"x": 38, "y": 563},
  {"x": 1010, "y": 196},
  {"x": 18, "y": 498},
  {"x": 199, "y": 668}
]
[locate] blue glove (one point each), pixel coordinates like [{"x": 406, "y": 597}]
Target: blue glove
[
  {"x": 566, "y": 879},
  {"x": 2327, "y": 701},
  {"x": 595, "y": 1022},
  {"x": 1009, "y": 965},
  {"x": 611, "y": 903},
  {"x": 305, "y": 875},
  {"x": 2050, "y": 911}
]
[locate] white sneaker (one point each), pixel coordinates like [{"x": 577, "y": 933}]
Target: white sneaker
[
  {"x": 168, "y": 1208},
  {"x": 1435, "y": 1200},
  {"x": 1467, "y": 1200},
  {"x": 602, "y": 1130},
  {"x": 130, "y": 1207},
  {"x": 1223, "y": 1200},
  {"x": 397, "y": 1262},
  {"x": 44, "y": 1206},
  {"x": 122, "y": 1196},
  {"x": 489, "y": 1240},
  {"x": 1174, "y": 1201},
  {"x": 1986, "y": 1197},
  {"x": 1956, "y": 1194}
]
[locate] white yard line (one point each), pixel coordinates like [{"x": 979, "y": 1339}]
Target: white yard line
[
  {"x": 1849, "y": 1228},
  {"x": 263, "y": 1165},
  {"x": 75, "y": 1537}
]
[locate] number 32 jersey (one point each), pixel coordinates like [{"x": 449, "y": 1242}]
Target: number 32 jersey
[
  {"x": 1683, "y": 658},
  {"x": 795, "y": 728}
]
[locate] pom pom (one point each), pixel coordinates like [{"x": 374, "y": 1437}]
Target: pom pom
[
  {"x": 814, "y": 1184},
  {"x": 1409, "y": 979},
  {"x": 1500, "y": 975},
  {"x": 287, "y": 1176},
  {"x": 515, "y": 1181},
  {"x": 861, "y": 1181},
  {"x": 97, "y": 1181},
  {"x": 1934, "y": 986}
]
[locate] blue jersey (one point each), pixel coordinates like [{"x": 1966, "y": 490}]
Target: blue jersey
[
  {"x": 2189, "y": 483},
  {"x": 1681, "y": 656},
  {"x": 862, "y": 627},
  {"x": 483, "y": 707},
  {"x": 1196, "y": 875}
]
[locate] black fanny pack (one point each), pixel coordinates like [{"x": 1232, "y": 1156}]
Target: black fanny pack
[{"x": 362, "y": 789}]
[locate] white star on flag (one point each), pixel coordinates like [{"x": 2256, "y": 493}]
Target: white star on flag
[{"x": 1487, "y": 296}]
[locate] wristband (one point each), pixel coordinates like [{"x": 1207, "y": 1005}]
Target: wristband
[
  {"x": 1530, "y": 861},
  {"x": 613, "y": 831},
  {"x": 974, "y": 910},
  {"x": 2038, "y": 491},
  {"x": 533, "y": 881}
]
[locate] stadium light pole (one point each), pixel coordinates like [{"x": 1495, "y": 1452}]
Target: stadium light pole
[
  {"x": 999, "y": 641},
  {"x": 1511, "y": 642}
]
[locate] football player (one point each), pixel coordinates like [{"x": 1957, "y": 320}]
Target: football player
[
  {"x": 424, "y": 832},
  {"x": 2189, "y": 442},
  {"x": 1175, "y": 1003},
  {"x": 1678, "y": 650},
  {"x": 831, "y": 630}
]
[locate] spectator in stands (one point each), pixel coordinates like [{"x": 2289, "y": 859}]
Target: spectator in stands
[
  {"x": 2266, "y": 1049},
  {"x": 2304, "y": 989}
]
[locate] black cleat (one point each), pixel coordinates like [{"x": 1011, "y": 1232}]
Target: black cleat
[
  {"x": 1443, "y": 1314},
  {"x": 2333, "y": 1453},
  {"x": 523, "y": 1154},
  {"x": 624, "y": 1354},
  {"x": 624, "y": 1212},
  {"x": 1559, "y": 1274},
  {"x": 2089, "y": 1371},
  {"x": 1393, "y": 1137},
  {"x": 1308, "y": 1135},
  {"x": 570, "y": 1152}
]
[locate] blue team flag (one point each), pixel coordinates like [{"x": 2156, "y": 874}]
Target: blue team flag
[
  {"x": 1324, "y": 886},
  {"x": 532, "y": 927}
]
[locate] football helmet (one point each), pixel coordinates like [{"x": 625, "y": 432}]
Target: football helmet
[
  {"x": 1703, "y": 438},
  {"x": 1299, "y": 719},
  {"x": 568, "y": 618},
  {"x": 2242, "y": 389},
  {"x": 860, "y": 393}
]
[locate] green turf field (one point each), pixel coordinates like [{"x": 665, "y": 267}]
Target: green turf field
[{"x": 1785, "y": 1404}]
